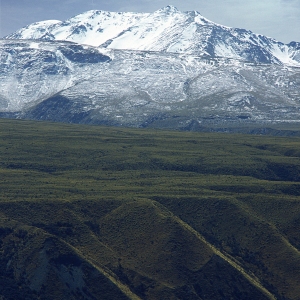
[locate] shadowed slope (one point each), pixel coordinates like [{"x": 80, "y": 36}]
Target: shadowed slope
[
  {"x": 140, "y": 246},
  {"x": 36, "y": 264}
]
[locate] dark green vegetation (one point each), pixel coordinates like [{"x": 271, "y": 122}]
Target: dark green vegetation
[{"x": 112, "y": 213}]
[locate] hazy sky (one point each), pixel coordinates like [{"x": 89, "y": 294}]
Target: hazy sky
[{"x": 279, "y": 19}]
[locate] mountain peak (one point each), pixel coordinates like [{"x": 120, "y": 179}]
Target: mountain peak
[
  {"x": 195, "y": 13},
  {"x": 169, "y": 9},
  {"x": 167, "y": 29}
]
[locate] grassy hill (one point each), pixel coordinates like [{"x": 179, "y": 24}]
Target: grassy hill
[{"x": 90, "y": 212}]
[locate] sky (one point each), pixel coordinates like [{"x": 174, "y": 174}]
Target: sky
[{"x": 279, "y": 19}]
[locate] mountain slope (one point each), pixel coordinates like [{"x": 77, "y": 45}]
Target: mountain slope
[
  {"x": 167, "y": 30},
  {"x": 63, "y": 81}
]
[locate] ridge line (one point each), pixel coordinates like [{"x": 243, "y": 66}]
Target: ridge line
[
  {"x": 250, "y": 277},
  {"x": 107, "y": 273}
]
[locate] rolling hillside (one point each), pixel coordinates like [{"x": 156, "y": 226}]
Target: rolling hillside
[{"x": 114, "y": 213}]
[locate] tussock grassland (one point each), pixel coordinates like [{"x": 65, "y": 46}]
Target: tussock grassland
[{"x": 149, "y": 214}]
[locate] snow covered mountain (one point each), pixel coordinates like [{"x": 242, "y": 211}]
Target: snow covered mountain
[
  {"x": 167, "y": 30},
  {"x": 167, "y": 69},
  {"x": 64, "y": 81}
]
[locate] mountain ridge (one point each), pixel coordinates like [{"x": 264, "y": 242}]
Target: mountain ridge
[{"x": 167, "y": 30}]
